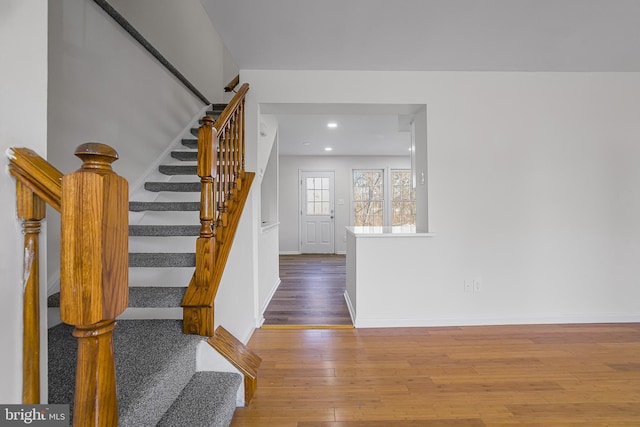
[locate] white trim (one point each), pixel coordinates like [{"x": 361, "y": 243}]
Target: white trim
[
  {"x": 139, "y": 184},
  {"x": 268, "y": 226},
  {"x": 352, "y": 311},
  {"x": 268, "y": 300},
  {"x": 569, "y": 319},
  {"x": 290, "y": 253},
  {"x": 53, "y": 283},
  {"x": 341, "y": 252}
]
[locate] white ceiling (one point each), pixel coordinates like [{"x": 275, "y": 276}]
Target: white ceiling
[
  {"x": 500, "y": 35},
  {"x": 453, "y": 35},
  {"x": 362, "y": 129}
]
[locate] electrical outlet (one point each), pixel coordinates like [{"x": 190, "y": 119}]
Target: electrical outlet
[
  {"x": 468, "y": 286},
  {"x": 477, "y": 284}
]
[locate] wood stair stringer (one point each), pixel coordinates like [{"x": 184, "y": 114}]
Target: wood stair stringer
[{"x": 239, "y": 355}]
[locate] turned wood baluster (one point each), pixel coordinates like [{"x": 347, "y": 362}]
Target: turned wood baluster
[
  {"x": 227, "y": 165},
  {"x": 206, "y": 243},
  {"x": 236, "y": 157},
  {"x": 31, "y": 210},
  {"x": 94, "y": 277},
  {"x": 241, "y": 138}
]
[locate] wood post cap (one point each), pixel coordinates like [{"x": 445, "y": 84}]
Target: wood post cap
[
  {"x": 95, "y": 155},
  {"x": 208, "y": 120}
]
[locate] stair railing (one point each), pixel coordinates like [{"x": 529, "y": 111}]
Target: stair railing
[
  {"x": 221, "y": 168},
  {"x": 93, "y": 203}
]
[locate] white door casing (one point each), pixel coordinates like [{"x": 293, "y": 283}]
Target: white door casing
[{"x": 317, "y": 212}]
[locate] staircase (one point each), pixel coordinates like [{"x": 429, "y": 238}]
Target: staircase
[{"x": 157, "y": 382}]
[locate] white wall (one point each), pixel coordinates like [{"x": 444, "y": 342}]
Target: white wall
[
  {"x": 532, "y": 186},
  {"x": 23, "y": 123},
  {"x": 183, "y": 33},
  {"x": 289, "y": 206},
  {"x": 104, "y": 86},
  {"x": 236, "y": 298},
  {"x": 269, "y": 267}
]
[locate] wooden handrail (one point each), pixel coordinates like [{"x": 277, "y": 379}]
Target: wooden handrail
[
  {"x": 232, "y": 84},
  {"x": 93, "y": 203},
  {"x": 232, "y": 108},
  {"x": 37, "y": 174},
  {"x": 225, "y": 186},
  {"x": 126, "y": 25}
]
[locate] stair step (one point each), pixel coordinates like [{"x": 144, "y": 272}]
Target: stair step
[
  {"x": 216, "y": 109},
  {"x": 143, "y": 296},
  {"x": 209, "y": 399},
  {"x": 191, "y": 143},
  {"x": 164, "y": 206},
  {"x": 164, "y": 230},
  {"x": 178, "y": 169},
  {"x": 155, "y": 296},
  {"x": 154, "y": 362},
  {"x": 162, "y": 259},
  {"x": 192, "y": 187},
  {"x": 185, "y": 155}
]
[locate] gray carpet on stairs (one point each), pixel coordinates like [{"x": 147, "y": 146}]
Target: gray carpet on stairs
[
  {"x": 149, "y": 296},
  {"x": 143, "y": 296},
  {"x": 164, "y": 206},
  {"x": 191, "y": 187},
  {"x": 208, "y": 400},
  {"x": 190, "y": 143},
  {"x": 178, "y": 169},
  {"x": 185, "y": 155},
  {"x": 154, "y": 361},
  {"x": 162, "y": 259},
  {"x": 164, "y": 230}
]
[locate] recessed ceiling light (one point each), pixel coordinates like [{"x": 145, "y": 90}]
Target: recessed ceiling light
[
  {"x": 306, "y": 144},
  {"x": 332, "y": 125},
  {"x": 328, "y": 148}
]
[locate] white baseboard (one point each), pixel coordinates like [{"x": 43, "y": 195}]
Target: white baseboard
[
  {"x": 268, "y": 300},
  {"x": 352, "y": 311},
  {"x": 289, "y": 252},
  {"x": 341, "y": 253},
  {"x": 439, "y": 322}
]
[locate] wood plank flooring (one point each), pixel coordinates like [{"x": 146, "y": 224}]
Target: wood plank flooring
[
  {"x": 311, "y": 292},
  {"x": 496, "y": 376}
]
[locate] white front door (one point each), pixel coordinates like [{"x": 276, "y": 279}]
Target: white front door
[{"x": 316, "y": 212}]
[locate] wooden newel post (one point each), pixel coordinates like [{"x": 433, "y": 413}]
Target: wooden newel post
[{"x": 94, "y": 276}]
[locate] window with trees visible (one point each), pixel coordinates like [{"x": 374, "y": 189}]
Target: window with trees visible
[
  {"x": 403, "y": 198},
  {"x": 368, "y": 197}
]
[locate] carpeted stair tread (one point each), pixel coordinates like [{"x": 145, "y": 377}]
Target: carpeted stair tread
[
  {"x": 185, "y": 155},
  {"x": 142, "y": 296},
  {"x": 190, "y": 143},
  {"x": 164, "y": 230},
  {"x": 178, "y": 169},
  {"x": 164, "y": 206},
  {"x": 162, "y": 259},
  {"x": 154, "y": 361},
  {"x": 189, "y": 187},
  {"x": 194, "y": 131},
  {"x": 208, "y": 400},
  {"x": 152, "y": 296}
]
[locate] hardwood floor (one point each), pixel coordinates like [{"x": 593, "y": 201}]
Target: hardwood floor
[
  {"x": 311, "y": 292},
  {"x": 497, "y": 376}
]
